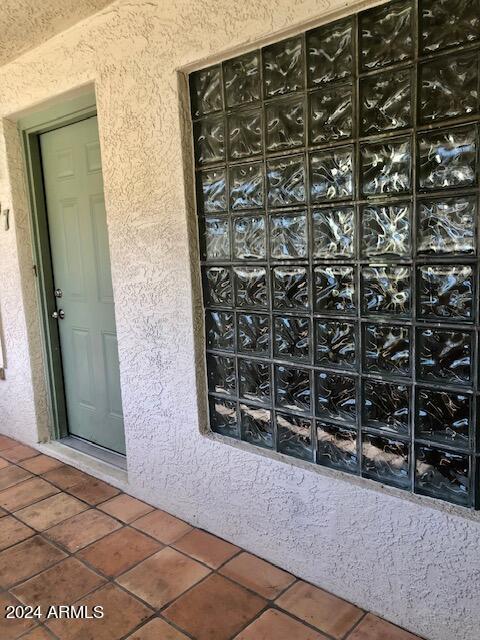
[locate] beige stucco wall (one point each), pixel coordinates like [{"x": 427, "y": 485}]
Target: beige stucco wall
[{"x": 406, "y": 558}]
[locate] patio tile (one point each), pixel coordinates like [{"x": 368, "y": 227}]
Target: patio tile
[
  {"x": 19, "y": 452},
  {"x": 39, "y": 633},
  {"x": 257, "y": 575},
  {"x": 119, "y": 551},
  {"x": 65, "y": 477},
  {"x": 216, "y": 608},
  {"x": 320, "y": 609},
  {"x": 12, "y": 628},
  {"x": 93, "y": 491},
  {"x": 162, "y": 526},
  {"x": 83, "y": 529},
  {"x": 26, "y": 559},
  {"x": 12, "y": 475},
  {"x": 4, "y": 463},
  {"x": 7, "y": 443},
  {"x": 64, "y": 583},
  {"x": 13, "y": 531},
  {"x": 275, "y": 625},
  {"x": 122, "y": 613},
  {"x": 25, "y": 493},
  {"x": 163, "y": 577},
  {"x": 157, "y": 629},
  {"x": 206, "y": 548},
  {"x": 47, "y": 513},
  {"x": 125, "y": 508},
  {"x": 373, "y": 628},
  {"x": 41, "y": 464},
  {"x": 3, "y": 512}
]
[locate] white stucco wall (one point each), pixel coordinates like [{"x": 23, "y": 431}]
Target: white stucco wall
[{"x": 406, "y": 558}]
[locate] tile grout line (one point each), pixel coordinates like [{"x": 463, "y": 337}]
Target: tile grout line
[{"x": 350, "y": 631}]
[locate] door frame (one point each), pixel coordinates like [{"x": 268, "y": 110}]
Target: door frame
[{"x": 31, "y": 128}]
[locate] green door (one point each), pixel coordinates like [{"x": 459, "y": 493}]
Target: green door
[{"x": 83, "y": 284}]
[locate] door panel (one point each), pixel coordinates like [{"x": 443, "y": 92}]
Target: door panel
[
  {"x": 81, "y": 267},
  {"x": 112, "y": 375},
  {"x": 70, "y": 250},
  {"x": 101, "y": 248}
]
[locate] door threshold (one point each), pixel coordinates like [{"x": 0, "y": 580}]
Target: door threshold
[{"x": 94, "y": 450}]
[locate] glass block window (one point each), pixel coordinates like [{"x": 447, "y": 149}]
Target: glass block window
[{"x": 337, "y": 181}]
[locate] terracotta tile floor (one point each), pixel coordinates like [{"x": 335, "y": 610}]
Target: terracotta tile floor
[{"x": 67, "y": 538}]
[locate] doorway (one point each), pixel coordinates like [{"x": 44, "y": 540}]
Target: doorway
[{"x": 75, "y": 281}]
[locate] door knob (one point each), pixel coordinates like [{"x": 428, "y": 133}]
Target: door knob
[
  {"x": 58, "y": 293},
  {"x": 58, "y": 314}
]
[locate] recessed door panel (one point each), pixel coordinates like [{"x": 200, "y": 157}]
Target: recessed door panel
[
  {"x": 84, "y": 374},
  {"x": 101, "y": 249},
  {"x": 110, "y": 350},
  {"x": 71, "y": 249},
  {"x": 81, "y": 268}
]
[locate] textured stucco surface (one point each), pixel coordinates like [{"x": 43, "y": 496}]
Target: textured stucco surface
[
  {"x": 24, "y": 24},
  {"x": 406, "y": 559}
]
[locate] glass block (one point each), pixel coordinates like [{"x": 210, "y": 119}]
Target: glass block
[
  {"x": 216, "y": 239},
  {"x": 242, "y": 79},
  {"x": 387, "y": 406},
  {"x": 220, "y": 330},
  {"x": 206, "y": 91},
  {"x": 386, "y": 230},
  {"x": 387, "y": 349},
  {"x": 209, "y": 135},
  {"x": 256, "y": 426},
  {"x": 386, "y": 290},
  {"x": 254, "y": 380},
  {"x": 330, "y": 52},
  {"x": 386, "y": 167},
  {"x": 335, "y": 344},
  {"x": 221, "y": 374},
  {"x": 285, "y": 124},
  {"x": 294, "y": 436},
  {"x": 386, "y": 34},
  {"x": 445, "y": 292},
  {"x": 212, "y": 197},
  {"x": 288, "y": 236},
  {"x": 244, "y": 134},
  {"x": 253, "y": 334},
  {"x": 334, "y": 289},
  {"x": 443, "y": 475},
  {"x": 292, "y": 338},
  {"x": 283, "y": 67},
  {"x": 386, "y": 460},
  {"x": 336, "y": 396},
  {"x": 286, "y": 181},
  {"x": 331, "y": 174},
  {"x": 445, "y": 355},
  {"x": 246, "y": 186},
  {"x": 217, "y": 287},
  {"x": 447, "y": 226},
  {"x": 448, "y": 87},
  {"x": 447, "y": 158},
  {"x": 251, "y": 287},
  {"x": 223, "y": 417},
  {"x": 448, "y": 23},
  {"x": 249, "y": 238},
  {"x": 386, "y": 102},
  {"x": 334, "y": 233},
  {"x": 330, "y": 114},
  {"x": 444, "y": 417},
  {"x": 337, "y": 447},
  {"x": 290, "y": 288},
  {"x": 293, "y": 388}
]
